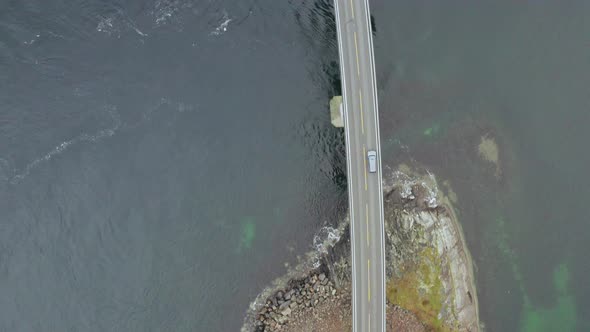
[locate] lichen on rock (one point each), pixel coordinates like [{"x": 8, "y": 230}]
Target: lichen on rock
[
  {"x": 419, "y": 289},
  {"x": 428, "y": 265}
]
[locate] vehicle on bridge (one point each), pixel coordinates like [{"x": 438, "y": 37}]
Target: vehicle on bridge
[{"x": 372, "y": 156}]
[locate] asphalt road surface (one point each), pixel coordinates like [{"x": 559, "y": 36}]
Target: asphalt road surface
[{"x": 365, "y": 192}]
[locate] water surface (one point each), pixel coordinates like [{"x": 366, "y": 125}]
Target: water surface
[
  {"x": 160, "y": 161},
  {"x": 452, "y": 73}
]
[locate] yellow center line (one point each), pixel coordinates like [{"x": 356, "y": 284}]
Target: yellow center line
[
  {"x": 365, "y": 163},
  {"x": 352, "y": 8},
  {"x": 362, "y": 113},
  {"x": 367, "y": 222},
  {"x": 369, "y": 322},
  {"x": 369, "y": 277},
  {"x": 358, "y": 67}
]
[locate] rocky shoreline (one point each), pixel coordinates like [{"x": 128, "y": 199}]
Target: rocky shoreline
[
  {"x": 430, "y": 282},
  {"x": 299, "y": 298},
  {"x": 429, "y": 268}
]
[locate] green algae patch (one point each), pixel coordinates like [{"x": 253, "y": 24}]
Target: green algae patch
[
  {"x": 503, "y": 244},
  {"x": 247, "y": 233},
  {"x": 560, "y": 317},
  {"x": 561, "y": 278},
  {"x": 432, "y": 131},
  {"x": 420, "y": 290}
]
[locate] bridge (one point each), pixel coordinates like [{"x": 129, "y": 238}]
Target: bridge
[{"x": 365, "y": 191}]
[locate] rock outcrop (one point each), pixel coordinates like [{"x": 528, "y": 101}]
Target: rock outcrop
[
  {"x": 430, "y": 283},
  {"x": 429, "y": 267}
]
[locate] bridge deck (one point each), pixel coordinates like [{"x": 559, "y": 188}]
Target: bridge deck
[{"x": 361, "y": 123}]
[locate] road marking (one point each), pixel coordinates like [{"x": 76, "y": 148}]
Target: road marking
[
  {"x": 367, "y": 222},
  {"x": 358, "y": 67},
  {"x": 379, "y": 172},
  {"x": 369, "y": 277},
  {"x": 362, "y": 112},
  {"x": 379, "y": 216},
  {"x": 365, "y": 163},
  {"x": 362, "y": 121},
  {"x": 361, "y": 97}
]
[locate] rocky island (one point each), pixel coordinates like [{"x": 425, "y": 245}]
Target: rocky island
[{"x": 430, "y": 282}]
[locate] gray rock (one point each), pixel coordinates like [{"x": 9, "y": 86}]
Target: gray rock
[
  {"x": 286, "y": 311},
  {"x": 283, "y": 319},
  {"x": 285, "y": 305},
  {"x": 429, "y": 221}
]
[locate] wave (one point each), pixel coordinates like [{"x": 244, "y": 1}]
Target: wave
[
  {"x": 223, "y": 26},
  {"x": 63, "y": 146},
  {"x": 324, "y": 240},
  {"x": 112, "y": 24}
]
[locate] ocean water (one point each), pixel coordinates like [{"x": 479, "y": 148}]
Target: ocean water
[
  {"x": 160, "y": 161},
  {"x": 452, "y": 73}
]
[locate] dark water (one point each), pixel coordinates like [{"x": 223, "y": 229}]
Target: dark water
[
  {"x": 453, "y": 72},
  {"x": 160, "y": 161}
]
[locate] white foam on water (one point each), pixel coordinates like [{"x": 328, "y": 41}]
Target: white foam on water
[
  {"x": 325, "y": 239},
  {"x": 139, "y": 32},
  {"x": 165, "y": 10},
  {"x": 179, "y": 106},
  {"x": 223, "y": 26},
  {"x": 107, "y": 25},
  {"x": 33, "y": 40},
  {"x": 111, "y": 25},
  {"x": 63, "y": 146}
]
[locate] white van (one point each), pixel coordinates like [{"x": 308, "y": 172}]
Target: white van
[{"x": 372, "y": 156}]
